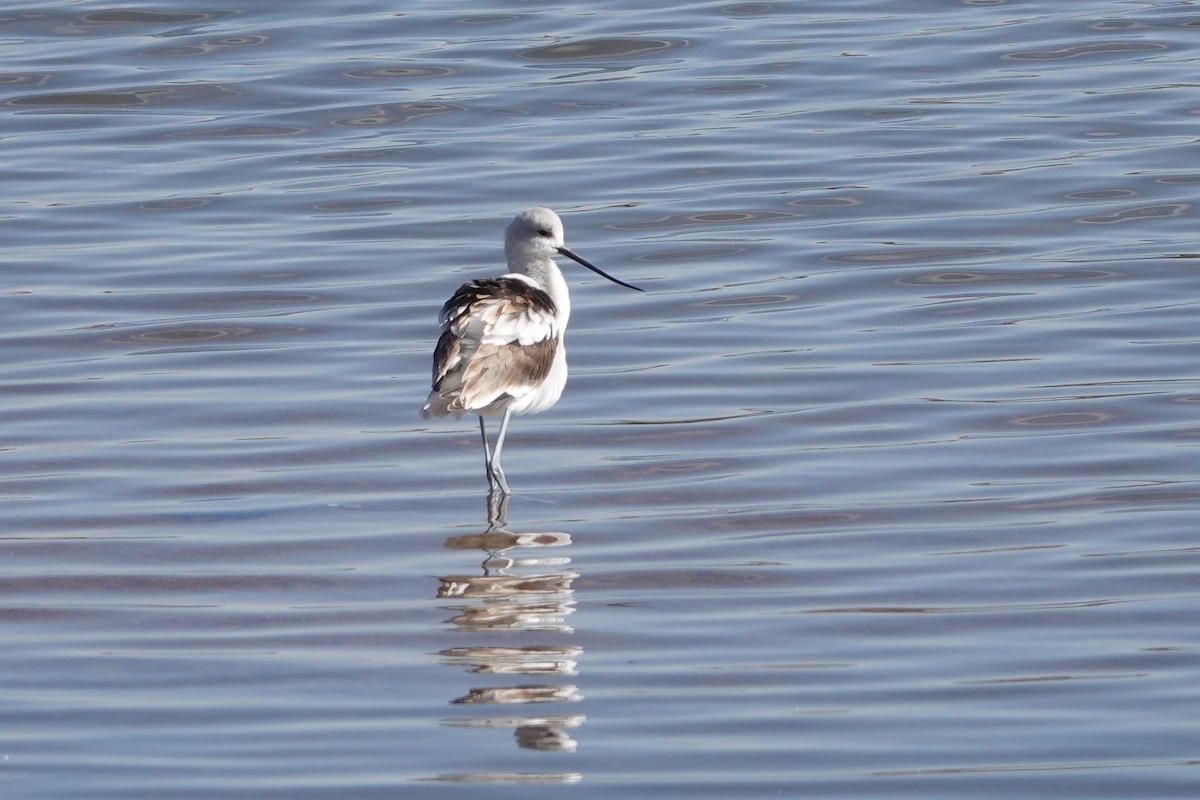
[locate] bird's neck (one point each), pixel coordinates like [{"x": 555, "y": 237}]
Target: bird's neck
[{"x": 548, "y": 276}]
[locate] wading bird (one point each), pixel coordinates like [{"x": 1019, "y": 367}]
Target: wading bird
[{"x": 501, "y": 351}]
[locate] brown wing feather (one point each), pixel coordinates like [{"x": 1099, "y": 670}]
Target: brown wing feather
[
  {"x": 479, "y": 364},
  {"x": 499, "y": 372},
  {"x": 496, "y": 302},
  {"x": 445, "y": 356}
]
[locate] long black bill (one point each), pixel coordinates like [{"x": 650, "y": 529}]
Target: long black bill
[{"x": 566, "y": 251}]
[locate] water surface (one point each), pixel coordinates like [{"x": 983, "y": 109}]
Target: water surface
[{"x": 887, "y": 487}]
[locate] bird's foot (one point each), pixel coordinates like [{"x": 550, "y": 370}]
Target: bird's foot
[{"x": 496, "y": 479}]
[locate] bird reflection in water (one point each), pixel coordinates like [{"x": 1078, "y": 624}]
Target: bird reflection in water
[{"x": 516, "y": 592}]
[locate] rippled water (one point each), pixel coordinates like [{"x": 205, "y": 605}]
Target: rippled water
[{"x": 888, "y": 486}]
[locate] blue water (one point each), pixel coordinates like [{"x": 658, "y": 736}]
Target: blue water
[{"x": 887, "y": 487}]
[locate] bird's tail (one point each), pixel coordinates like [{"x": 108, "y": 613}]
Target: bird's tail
[{"x": 438, "y": 406}]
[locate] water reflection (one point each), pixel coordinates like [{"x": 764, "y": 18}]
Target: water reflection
[{"x": 529, "y": 594}]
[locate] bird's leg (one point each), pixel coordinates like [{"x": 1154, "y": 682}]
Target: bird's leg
[
  {"x": 487, "y": 455},
  {"x": 494, "y": 468}
]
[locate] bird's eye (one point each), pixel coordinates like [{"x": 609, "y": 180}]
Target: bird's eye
[{"x": 543, "y": 232}]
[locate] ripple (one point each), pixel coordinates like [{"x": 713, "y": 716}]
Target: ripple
[
  {"x": 893, "y": 114},
  {"x": 992, "y": 276},
  {"x": 210, "y": 46},
  {"x": 23, "y": 79},
  {"x": 902, "y": 255},
  {"x": 751, "y": 300},
  {"x": 175, "y": 203},
  {"x": 183, "y": 95},
  {"x": 397, "y": 114},
  {"x": 703, "y": 218},
  {"x": 727, "y": 87},
  {"x": 384, "y": 155},
  {"x": 1065, "y": 419},
  {"x": 82, "y": 99},
  {"x": 359, "y": 206},
  {"x": 614, "y": 47},
  {"x": 1078, "y": 51},
  {"x": 176, "y": 334},
  {"x": 1140, "y": 213},
  {"x": 509, "y": 777},
  {"x": 487, "y": 19},
  {"x": 588, "y": 105},
  {"x": 692, "y": 254},
  {"x": 175, "y": 51},
  {"x": 248, "y": 40},
  {"x": 748, "y": 9},
  {"x": 183, "y": 335},
  {"x": 825, "y": 202},
  {"x": 237, "y": 132},
  {"x": 406, "y": 72},
  {"x": 1100, "y": 194},
  {"x": 125, "y": 16}
]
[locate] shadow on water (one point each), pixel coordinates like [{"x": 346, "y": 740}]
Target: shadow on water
[{"x": 514, "y": 593}]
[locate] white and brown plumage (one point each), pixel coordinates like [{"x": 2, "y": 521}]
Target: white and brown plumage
[{"x": 501, "y": 351}]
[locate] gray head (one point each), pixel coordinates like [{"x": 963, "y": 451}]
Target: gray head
[{"x": 535, "y": 236}]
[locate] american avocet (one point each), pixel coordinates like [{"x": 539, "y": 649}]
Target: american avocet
[{"x": 501, "y": 350}]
